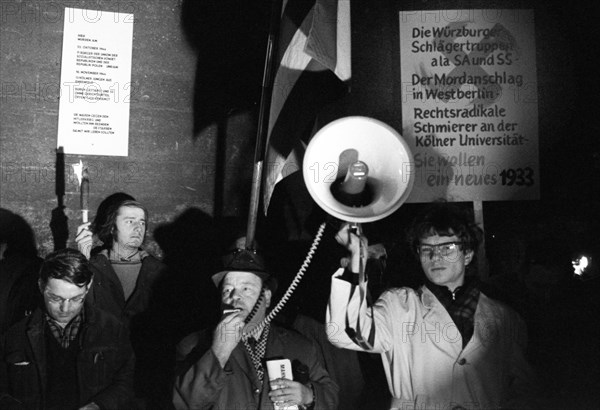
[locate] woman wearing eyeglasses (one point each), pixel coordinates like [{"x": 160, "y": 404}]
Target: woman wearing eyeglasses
[{"x": 445, "y": 345}]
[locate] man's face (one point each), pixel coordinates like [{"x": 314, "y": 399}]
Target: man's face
[
  {"x": 63, "y": 300},
  {"x": 242, "y": 290},
  {"x": 131, "y": 227},
  {"x": 444, "y": 265}
]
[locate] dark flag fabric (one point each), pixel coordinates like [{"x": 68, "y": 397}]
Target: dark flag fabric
[{"x": 313, "y": 67}]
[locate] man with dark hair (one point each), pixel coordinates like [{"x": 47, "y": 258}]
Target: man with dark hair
[
  {"x": 105, "y": 206},
  {"x": 446, "y": 344},
  {"x": 226, "y": 370},
  {"x": 125, "y": 281},
  {"x": 87, "y": 234},
  {"x": 68, "y": 354},
  {"x": 124, "y": 273}
]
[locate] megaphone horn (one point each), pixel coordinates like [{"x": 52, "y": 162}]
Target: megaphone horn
[{"x": 358, "y": 169}]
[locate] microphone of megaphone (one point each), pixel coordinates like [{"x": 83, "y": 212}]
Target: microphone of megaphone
[{"x": 353, "y": 190}]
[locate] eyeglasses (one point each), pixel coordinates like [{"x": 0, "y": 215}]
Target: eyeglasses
[
  {"x": 57, "y": 300},
  {"x": 445, "y": 249}
]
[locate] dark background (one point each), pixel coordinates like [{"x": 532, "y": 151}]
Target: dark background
[{"x": 196, "y": 75}]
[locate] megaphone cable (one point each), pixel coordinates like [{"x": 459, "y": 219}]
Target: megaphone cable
[{"x": 291, "y": 288}]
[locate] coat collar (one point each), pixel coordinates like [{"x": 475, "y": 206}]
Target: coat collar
[
  {"x": 427, "y": 297},
  {"x": 149, "y": 266},
  {"x": 139, "y": 256},
  {"x": 483, "y": 319}
]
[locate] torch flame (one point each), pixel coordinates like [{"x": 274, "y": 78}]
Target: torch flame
[{"x": 78, "y": 170}]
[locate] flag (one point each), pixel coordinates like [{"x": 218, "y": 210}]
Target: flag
[{"x": 313, "y": 57}]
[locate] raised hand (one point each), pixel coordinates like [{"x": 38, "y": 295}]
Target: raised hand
[
  {"x": 350, "y": 237},
  {"x": 227, "y": 335},
  {"x": 84, "y": 239}
]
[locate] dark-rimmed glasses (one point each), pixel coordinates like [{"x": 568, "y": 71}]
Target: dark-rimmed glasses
[{"x": 445, "y": 249}]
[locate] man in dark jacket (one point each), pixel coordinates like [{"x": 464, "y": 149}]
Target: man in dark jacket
[
  {"x": 226, "y": 369},
  {"x": 124, "y": 274},
  {"x": 125, "y": 282},
  {"x": 68, "y": 354}
]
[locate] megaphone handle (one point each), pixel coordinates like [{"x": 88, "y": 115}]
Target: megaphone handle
[
  {"x": 357, "y": 265},
  {"x": 355, "y": 333}
]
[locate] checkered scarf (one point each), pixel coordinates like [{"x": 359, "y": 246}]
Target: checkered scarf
[
  {"x": 257, "y": 351},
  {"x": 460, "y": 304},
  {"x": 65, "y": 335}
]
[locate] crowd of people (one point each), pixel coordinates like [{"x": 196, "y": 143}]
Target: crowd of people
[{"x": 86, "y": 328}]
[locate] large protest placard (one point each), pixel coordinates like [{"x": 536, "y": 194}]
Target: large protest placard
[
  {"x": 95, "y": 83},
  {"x": 469, "y": 104}
]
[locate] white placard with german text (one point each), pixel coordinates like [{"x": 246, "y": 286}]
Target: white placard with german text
[
  {"x": 95, "y": 82},
  {"x": 469, "y": 104}
]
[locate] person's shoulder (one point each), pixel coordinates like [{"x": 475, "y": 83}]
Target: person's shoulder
[
  {"x": 99, "y": 259},
  {"x": 402, "y": 291},
  {"x": 290, "y": 335},
  {"x": 21, "y": 327},
  {"x": 151, "y": 262},
  {"x": 104, "y": 319},
  {"x": 399, "y": 294},
  {"x": 498, "y": 307},
  {"x": 153, "y": 269}
]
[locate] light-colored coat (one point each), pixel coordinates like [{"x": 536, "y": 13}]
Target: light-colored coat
[{"x": 421, "y": 349}]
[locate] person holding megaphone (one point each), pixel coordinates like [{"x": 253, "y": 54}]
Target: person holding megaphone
[{"x": 446, "y": 344}]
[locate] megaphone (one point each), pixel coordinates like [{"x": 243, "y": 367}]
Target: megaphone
[{"x": 358, "y": 169}]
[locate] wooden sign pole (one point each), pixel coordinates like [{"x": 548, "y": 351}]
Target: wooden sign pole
[{"x": 482, "y": 265}]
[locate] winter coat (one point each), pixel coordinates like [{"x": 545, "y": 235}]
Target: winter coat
[
  {"x": 107, "y": 291},
  {"x": 203, "y": 384},
  {"x": 421, "y": 349},
  {"x": 105, "y": 362}
]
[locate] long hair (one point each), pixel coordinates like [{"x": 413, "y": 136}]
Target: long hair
[
  {"x": 105, "y": 206},
  {"x": 66, "y": 264},
  {"x": 107, "y": 233}
]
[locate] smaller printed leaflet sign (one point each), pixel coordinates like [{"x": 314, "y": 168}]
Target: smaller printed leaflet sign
[
  {"x": 95, "y": 82},
  {"x": 469, "y": 104}
]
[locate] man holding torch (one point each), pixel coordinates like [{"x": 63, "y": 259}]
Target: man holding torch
[{"x": 125, "y": 279}]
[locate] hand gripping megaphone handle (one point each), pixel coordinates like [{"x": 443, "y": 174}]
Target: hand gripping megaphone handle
[
  {"x": 355, "y": 229},
  {"x": 355, "y": 333}
]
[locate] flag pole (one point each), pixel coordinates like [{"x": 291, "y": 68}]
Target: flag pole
[{"x": 263, "y": 122}]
